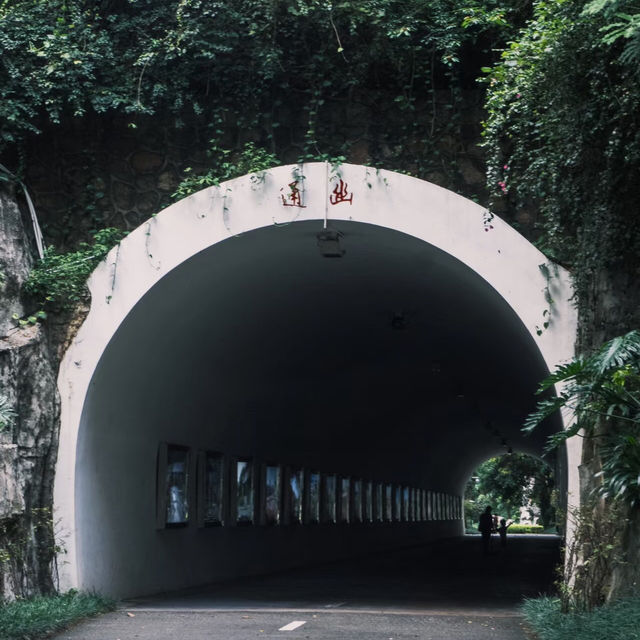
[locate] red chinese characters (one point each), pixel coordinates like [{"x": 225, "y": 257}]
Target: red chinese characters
[
  {"x": 341, "y": 194},
  {"x": 294, "y": 197}
]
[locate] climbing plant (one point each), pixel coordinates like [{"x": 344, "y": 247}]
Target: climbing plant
[
  {"x": 257, "y": 64},
  {"x": 563, "y": 137},
  {"x": 59, "y": 279},
  {"x": 224, "y": 165}
]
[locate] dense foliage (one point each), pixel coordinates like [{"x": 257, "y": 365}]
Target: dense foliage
[
  {"x": 254, "y": 64},
  {"x": 60, "y": 279},
  {"x": 507, "y": 483},
  {"x": 563, "y": 134}
]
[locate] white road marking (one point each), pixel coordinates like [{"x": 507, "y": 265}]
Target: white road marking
[{"x": 292, "y": 625}]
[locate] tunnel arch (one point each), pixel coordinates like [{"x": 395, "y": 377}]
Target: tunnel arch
[{"x": 224, "y": 307}]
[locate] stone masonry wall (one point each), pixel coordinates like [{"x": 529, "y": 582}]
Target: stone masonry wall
[{"x": 28, "y": 442}]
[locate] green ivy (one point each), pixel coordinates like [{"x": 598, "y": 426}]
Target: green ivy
[
  {"x": 225, "y": 165},
  {"x": 254, "y": 64},
  {"x": 563, "y": 139},
  {"x": 60, "y": 279}
]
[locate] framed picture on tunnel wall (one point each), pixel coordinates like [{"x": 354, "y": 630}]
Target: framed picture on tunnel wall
[
  {"x": 345, "y": 500},
  {"x": 293, "y": 495},
  {"x": 405, "y": 504},
  {"x": 356, "y": 503},
  {"x": 175, "y": 485},
  {"x": 211, "y": 488},
  {"x": 313, "y": 498},
  {"x": 272, "y": 493},
  {"x": 328, "y": 496},
  {"x": 414, "y": 505},
  {"x": 397, "y": 503},
  {"x": 244, "y": 492},
  {"x": 388, "y": 503},
  {"x": 368, "y": 501},
  {"x": 378, "y": 503}
]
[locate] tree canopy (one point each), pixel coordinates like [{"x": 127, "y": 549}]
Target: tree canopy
[
  {"x": 252, "y": 62},
  {"x": 509, "y": 482}
]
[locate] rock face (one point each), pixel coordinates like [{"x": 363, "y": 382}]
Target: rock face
[{"x": 28, "y": 441}]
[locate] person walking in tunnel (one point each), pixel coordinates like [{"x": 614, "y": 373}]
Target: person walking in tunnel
[
  {"x": 485, "y": 526},
  {"x": 502, "y": 530}
]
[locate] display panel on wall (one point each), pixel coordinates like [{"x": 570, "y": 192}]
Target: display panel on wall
[
  {"x": 356, "y": 507},
  {"x": 244, "y": 492},
  {"x": 211, "y": 485},
  {"x": 345, "y": 499},
  {"x": 388, "y": 503},
  {"x": 294, "y": 494},
  {"x": 368, "y": 501},
  {"x": 313, "y": 513},
  {"x": 176, "y": 485},
  {"x": 329, "y": 499},
  {"x": 397, "y": 503},
  {"x": 272, "y": 492},
  {"x": 378, "y": 502}
]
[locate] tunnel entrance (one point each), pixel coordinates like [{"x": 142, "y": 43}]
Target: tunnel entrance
[
  {"x": 241, "y": 387},
  {"x": 520, "y": 489}
]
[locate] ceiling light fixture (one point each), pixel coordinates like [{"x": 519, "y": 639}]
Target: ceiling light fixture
[
  {"x": 329, "y": 243},
  {"x": 398, "y": 321}
]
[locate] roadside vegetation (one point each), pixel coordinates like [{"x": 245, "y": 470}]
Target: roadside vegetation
[
  {"x": 618, "y": 621},
  {"x": 38, "y": 617}
]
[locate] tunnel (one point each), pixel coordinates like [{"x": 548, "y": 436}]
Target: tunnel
[{"x": 344, "y": 350}]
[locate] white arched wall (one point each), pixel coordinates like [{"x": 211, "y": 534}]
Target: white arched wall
[{"x": 453, "y": 224}]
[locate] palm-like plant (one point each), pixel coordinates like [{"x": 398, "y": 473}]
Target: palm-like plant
[{"x": 601, "y": 393}]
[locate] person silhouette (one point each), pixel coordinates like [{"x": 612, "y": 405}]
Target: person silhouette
[
  {"x": 502, "y": 530},
  {"x": 485, "y": 526}
]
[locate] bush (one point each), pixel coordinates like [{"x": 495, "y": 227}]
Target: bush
[
  {"x": 61, "y": 278},
  {"x": 618, "y": 621},
  {"x": 526, "y": 528},
  {"x": 41, "y": 616}
]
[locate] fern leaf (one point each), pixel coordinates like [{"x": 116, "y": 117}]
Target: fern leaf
[{"x": 563, "y": 373}]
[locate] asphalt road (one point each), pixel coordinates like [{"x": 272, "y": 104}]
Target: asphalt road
[
  {"x": 320, "y": 626},
  {"x": 447, "y": 590}
]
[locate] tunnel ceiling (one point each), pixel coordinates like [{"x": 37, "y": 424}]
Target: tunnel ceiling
[{"x": 273, "y": 348}]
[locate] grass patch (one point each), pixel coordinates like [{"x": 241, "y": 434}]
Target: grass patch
[
  {"x": 618, "y": 621},
  {"x": 37, "y": 617}
]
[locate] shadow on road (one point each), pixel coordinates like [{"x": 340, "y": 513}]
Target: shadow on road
[{"x": 446, "y": 576}]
